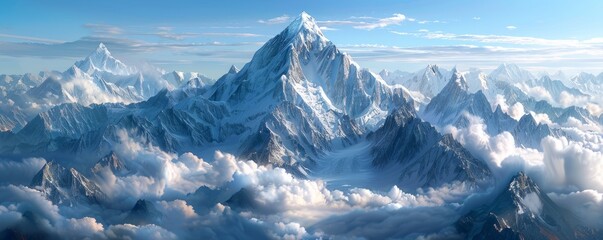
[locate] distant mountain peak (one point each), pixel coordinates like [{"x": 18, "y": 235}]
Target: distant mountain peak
[
  {"x": 66, "y": 186},
  {"x": 102, "y": 60},
  {"x": 233, "y": 69},
  {"x": 454, "y": 70},
  {"x": 457, "y": 81},
  {"x": 521, "y": 182},
  {"x": 102, "y": 49},
  {"x": 144, "y": 212},
  {"x": 527, "y": 120},
  {"x": 511, "y": 73},
  {"x": 111, "y": 161}
]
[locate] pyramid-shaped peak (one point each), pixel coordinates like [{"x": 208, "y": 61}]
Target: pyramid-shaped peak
[
  {"x": 433, "y": 68},
  {"x": 520, "y": 176},
  {"x": 498, "y": 109},
  {"x": 546, "y": 78},
  {"x": 233, "y": 69},
  {"x": 304, "y": 22},
  {"x": 458, "y": 80},
  {"x": 527, "y": 119},
  {"x": 142, "y": 205},
  {"x": 102, "y": 60},
  {"x": 509, "y": 65},
  {"x": 454, "y": 70},
  {"x": 102, "y": 49},
  {"x": 522, "y": 184},
  {"x": 509, "y": 68},
  {"x": 49, "y": 172},
  {"x": 75, "y": 72}
]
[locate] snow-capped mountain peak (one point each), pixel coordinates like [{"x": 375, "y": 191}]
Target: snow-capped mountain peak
[
  {"x": 304, "y": 22},
  {"x": 233, "y": 69},
  {"x": 66, "y": 186},
  {"x": 457, "y": 81},
  {"x": 511, "y": 73},
  {"x": 102, "y": 50},
  {"x": 102, "y": 60}
]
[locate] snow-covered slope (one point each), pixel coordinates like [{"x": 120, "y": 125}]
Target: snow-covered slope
[
  {"x": 428, "y": 81},
  {"x": 111, "y": 162},
  {"x": 454, "y": 101},
  {"x": 395, "y": 77},
  {"x": 511, "y": 73},
  {"x": 556, "y": 88},
  {"x": 68, "y": 120},
  {"x": 529, "y": 133},
  {"x": 588, "y": 83},
  {"x": 478, "y": 80}
]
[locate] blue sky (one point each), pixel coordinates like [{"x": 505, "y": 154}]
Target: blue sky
[{"x": 209, "y": 36}]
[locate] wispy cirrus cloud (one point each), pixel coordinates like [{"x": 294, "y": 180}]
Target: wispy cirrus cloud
[
  {"x": 383, "y": 22},
  {"x": 501, "y": 39},
  {"x": 104, "y": 29},
  {"x": 538, "y": 58},
  {"x": 85, "y": 45},
  {"x": 366, "y": 23},
  {"x": 328, "y": 29},
  {"x": 169, "y": 33},
  {"x": 166, "y": 32},
  {"x": 276, "y": 20},
  {"x": 230, "y": 34},
  {"x": 29, "y": 38},
  {"x": 429, "y": 21},
  {"x": 511, "y": 27}
]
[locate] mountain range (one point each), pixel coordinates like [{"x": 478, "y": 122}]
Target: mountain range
[{"x": 302, "y": 105}]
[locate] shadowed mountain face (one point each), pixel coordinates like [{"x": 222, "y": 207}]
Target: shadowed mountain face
[
  {"x": 143, "y": 212},
  {"x": 424, "y": 157}
]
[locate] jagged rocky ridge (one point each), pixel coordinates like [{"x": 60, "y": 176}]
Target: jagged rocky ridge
[
  {"x": 422, "y": 155},
  {"x": 523, "y": 211},
  {"x": 99, "y": 78},
  {"x": 66, "y": 186}
]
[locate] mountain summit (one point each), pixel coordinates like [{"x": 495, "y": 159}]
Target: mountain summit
[
  {"x": 305, "y": 94},
  {"x": 511, "y": 73},
  {"x": 102, "y": 60},
  {"x": 304, "y": 23}
]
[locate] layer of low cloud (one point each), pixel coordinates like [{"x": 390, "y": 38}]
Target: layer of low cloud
[
  {"x": 283, "y": 206},
  {"x": 569, "y": 167}
]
